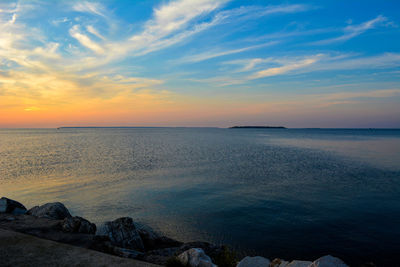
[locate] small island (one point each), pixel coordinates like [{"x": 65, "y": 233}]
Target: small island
[{"x": 257, "y": 127}]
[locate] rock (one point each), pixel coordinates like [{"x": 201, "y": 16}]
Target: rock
[
  {"x": 256, "y": 261},
  {"x": 299, "y": 264},
  {"x": 78, "y": 225},
  {"x": 195, "y": 257},
  {"x": 56, "y": 211},
  {"x": 122, "y": 233},
  {"x": 11, "y": 206},
  {"x": 49, "y": 229},
  {"x": 153, "y": 241},
  {"x": 328, "y": 261},
  {"x": 127, "y": 253},
  {"x": 211, "y": 250},
  {"x": 278, "y": 263},
  {"x": 160, "y": 256}
]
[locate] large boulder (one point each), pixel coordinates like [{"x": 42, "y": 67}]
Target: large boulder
[
  {"x": 153, "y": 241},
  {"x": 122, "y": 233},
  {"x": 56, "y": 211},
  {"x": 256, "y": 261},
  {"x": 78, "y": 224},
  {"x": 328, "y": 261},
  {"x": 160, "y": 256},
  {"x": 195, "y": 257},
  {"x": 214, "y": 251},
  {"x": 11, "y": 206}
]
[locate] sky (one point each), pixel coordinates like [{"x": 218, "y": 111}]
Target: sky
[{"x": 200, "y": 63}]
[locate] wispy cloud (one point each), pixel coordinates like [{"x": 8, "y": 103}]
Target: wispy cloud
[
  {"x": 254, "y": 12},
  {"x": 352, "y": 31},
  {"x": 382, "y": 61},
  {"x": 93, "y": 31},
  {"x": 286, "y": 9},
  {"x": 85, "y": 40},
  {"x": 220, "y": 53},
  {"x": 170, "y": 24},
  {"x": 59, "y": 21},
  {"x": 363, "y": 94},
  {"x": 285, "y": 68},
  {"x": 90, "y": 7},
  {"x": 312, "y": 63},
  {"x": 9, "y": 7}
]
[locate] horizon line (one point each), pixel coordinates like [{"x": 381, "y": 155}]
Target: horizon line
[{"x": 216, "y": 127}]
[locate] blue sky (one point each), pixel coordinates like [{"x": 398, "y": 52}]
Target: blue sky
[{"x": 200, "y": 63}]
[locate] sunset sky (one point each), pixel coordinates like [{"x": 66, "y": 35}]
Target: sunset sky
[{"x": 200, "y": 63}]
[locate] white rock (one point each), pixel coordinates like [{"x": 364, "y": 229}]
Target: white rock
[
  {"x": 299, "y": 264},
  {"x": 328, "y": 261},
  {"x": 256, "y": 261},
  {"x": 195, "y": 257}
]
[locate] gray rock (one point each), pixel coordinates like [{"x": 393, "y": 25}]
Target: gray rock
[
  {"x": 122, "y": 233},
  {"x": 153, "y": 241},
  {"x": 160, "y": 256},
  {"x": 78, "y": 225},
  {"x": 328, "y": 261},
  {"x": 256, "y": 261},
  {"x": 299, "y": 264},
  {"x": 11, "y": 206},
  {"x": 214, "y": 251},
  {"x": 195, "y": 257},
  {"x": 56, "y": 211},
  {"x": 49, "y": 229},
  {"x": 127, "y": 253}
]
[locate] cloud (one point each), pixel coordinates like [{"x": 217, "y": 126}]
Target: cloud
[
  {"x": 312, "y": 63},
  {"x": 352, "y": 31},
  {"x": 254, "y": 12},
  {"x": 348, "y": 98},
  {"x": 285, "y": 67},
  {"x": 55, "y": 88},
  {"x": 13, "y": 19},
  {"x": 49, "y": 51},
  {"x": 90, "y": 7},
  {"x": 366, "y": 94},
  {"x": 93, "y": 31},
  {"x": 56, "y": 22},
  {"x": 9, "y": 8},
  {"x": 286, "y": 9},
  {"x": 170, "y": 24},
  {"x": 386, "y": 60},
  {"x": 214, "y": 54},
  {"x": 249, "y": 63},
  {"x": 85, "y": 40}
]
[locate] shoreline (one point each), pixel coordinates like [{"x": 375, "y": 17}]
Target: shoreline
[{"x": 127, "y": 239}]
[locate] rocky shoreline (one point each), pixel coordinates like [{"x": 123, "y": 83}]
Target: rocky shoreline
[{"x": 125, "y": 238}]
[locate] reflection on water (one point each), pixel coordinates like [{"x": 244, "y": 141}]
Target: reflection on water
[{"x": 280, "y": 193}]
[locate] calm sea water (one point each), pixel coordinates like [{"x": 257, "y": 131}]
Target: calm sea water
[{"x": 295, "y": 193}]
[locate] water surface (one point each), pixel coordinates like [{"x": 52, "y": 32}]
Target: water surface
[{"x": 289, "y": 193}]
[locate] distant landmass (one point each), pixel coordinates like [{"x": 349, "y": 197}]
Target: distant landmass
[{"x": 263, "y": 127}]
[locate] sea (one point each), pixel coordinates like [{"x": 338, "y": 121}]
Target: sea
[{"x": 278, "y": 193}]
